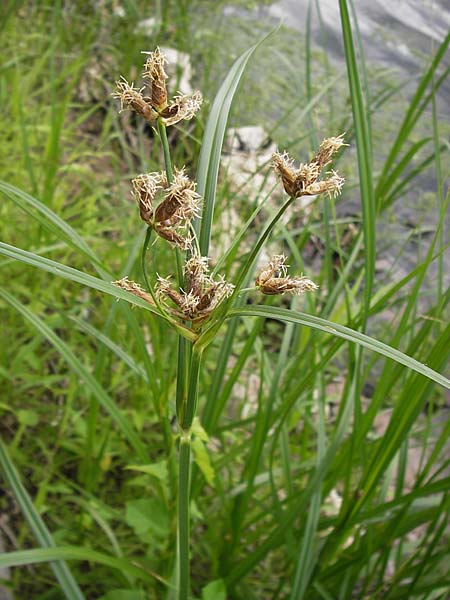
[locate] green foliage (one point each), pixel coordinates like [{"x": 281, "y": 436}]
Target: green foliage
[{"x": 319, "y": 464}]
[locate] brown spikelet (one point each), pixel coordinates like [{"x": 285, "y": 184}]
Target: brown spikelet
[
  {"x": 133, "y": 288},
  {"x": 145, "y": 188},
  {"x": 132, "y": 98},
  {"x": 304, "y": 181},
  {"x": 273, "y": 279},
  {"x": 202, "y": 294},
  {"x": 155, "y": 74},
  {"x": 183, "y": 107},
  {"x": 181, "y": 200},
  {"x": 172, "y": 236}
]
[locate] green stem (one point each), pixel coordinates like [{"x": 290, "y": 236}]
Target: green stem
[
  {"x": 166, "y": 149},
  {"x": 189, "y": 411},
  {"x": 186, "y": 409},
  {"x": 169, "y": 174},
  {"x": 183, "y": 516}
]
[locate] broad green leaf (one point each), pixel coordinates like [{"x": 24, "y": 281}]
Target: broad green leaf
[
  {"x": 148, "y": 516},
  {"x": 215, "y": 590}
]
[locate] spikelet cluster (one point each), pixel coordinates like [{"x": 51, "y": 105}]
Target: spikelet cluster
[
  {"x": 154, "y": 104},
  {"x": 274, "y": 280},
  {"x": 201, "y": 294},
  {"x": 304, "y": 180},
  {"x": 179, "y": 205}
]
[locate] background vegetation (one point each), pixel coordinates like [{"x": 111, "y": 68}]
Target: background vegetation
[{"x": 321, "y": 469}]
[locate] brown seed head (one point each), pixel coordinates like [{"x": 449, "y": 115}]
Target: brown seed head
[
  {"x": 195, "y": 272},
  {"x": 202, "y": 293},
  {"x": 132, "y": 98},
  {"x": 181, "y": 202},
  {"x": 145, "y": 188},
  {"x": 273, "y": 279},
  {"x": 327, "y": 149},
  {"x": 172, "y": 236},
  {"x": 133, "y": 288},
  {"x": 304, "y": 181},
  {"x": 332, "y": 186},
  {"x": 183, "y": 107},
  {"x": 155, "y": 73}
]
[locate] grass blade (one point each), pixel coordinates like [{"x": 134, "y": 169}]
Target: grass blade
[
  {"x": 209, "y": 161},
  {"x": 38, "y": 555},
  {"x": 89, "y": 381},
  {"x": 288, "y": 316},
  {"x": 364, "y": 150},
  {"x": 37, "y": 526}
]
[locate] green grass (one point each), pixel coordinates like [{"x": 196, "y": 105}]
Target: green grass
[{"x": 296, "y": 490}]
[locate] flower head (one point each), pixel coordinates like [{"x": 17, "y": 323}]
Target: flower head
[
  {"x": 274, "y": 280},
  {"x": 132, "y": 98},
  {"x": 202, "y": 294},
  {"x": 155, "y": 105},
  {"x": 304, "y": 181},
  {"x": 179, "y": 205},
  {"x": 155, "y": 74}
]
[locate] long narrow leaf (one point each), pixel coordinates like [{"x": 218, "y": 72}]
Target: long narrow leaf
[
  {"x": 288, "y": 316},
  {"x": 209, "y": 161},
  {"x": 39, "y": 555},
  {"x": 37, "y": 525},
  {"x": 89, "y": 381}
]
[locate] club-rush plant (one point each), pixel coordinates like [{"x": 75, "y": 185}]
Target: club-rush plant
[
  {"x": 195, "y": 300},
  {"x": 191, "y": 298}
]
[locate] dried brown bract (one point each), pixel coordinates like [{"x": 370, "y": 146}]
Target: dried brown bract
[
  {"x": 274, "y": 280},
  {"x": 304, "y": 181},
  {"x": 132, "y": 98}
]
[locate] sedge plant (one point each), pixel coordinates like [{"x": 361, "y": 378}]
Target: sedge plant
[
  {"x": 194, "y": 300},
  {"x": 196, "y": 303}
]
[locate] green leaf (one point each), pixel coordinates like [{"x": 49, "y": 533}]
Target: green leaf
[
  {"x": 158, "y": 470},
  {"x": 52, "y": 222},
  {"x": 289, "y": 316},
  {"x": 79, "y": 277},
  {"x": 148, "y": 516},
  {"x": 89, "y": 380},
  {"x": 211, "y": 150},
  {"x": 364, "y": 152},
  {"x": 201, "y": 457},
  {"x": 62, "y": 572},
  {"x": 28, "y": 418},
  {"x": 215, "y": 590},
  {"x": 57, "y": 553}
]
